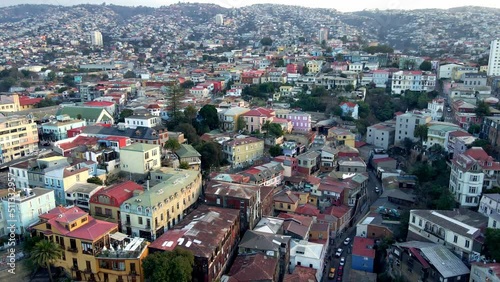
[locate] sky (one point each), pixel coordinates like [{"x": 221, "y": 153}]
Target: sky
[{"x": 344, "y": 6}]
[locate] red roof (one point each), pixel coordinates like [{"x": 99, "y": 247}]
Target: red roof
[
  {"x": 120, "y": 192},
  {"x": 257, "y": 267},
  {"x": 381, "y": 160},
  {"x": 337, "y": 211},
  {"x": 78, "y": 141},
  {"x": 90, "y": 231},
  {"x": 349, "y": 104},
  {"x": 259, "y": 112},
  {"x": 307, "y": 209},
  {"x": 363, "y": 247},
  {"x": 301, "y": 274},
  {"x": 98, "y": 104},
  {"x": 25, "y": 100},
  {"x": 419, "y": 257},
  {"x": 359, "y": 144}
]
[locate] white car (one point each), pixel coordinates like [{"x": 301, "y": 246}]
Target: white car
[
  {"x": 347, "y": 241},
  {"x": 342, "y": 260},
  {"x": 338, "y": 253}
]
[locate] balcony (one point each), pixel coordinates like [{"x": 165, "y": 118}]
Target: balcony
[{"x": 72, "y": 249}]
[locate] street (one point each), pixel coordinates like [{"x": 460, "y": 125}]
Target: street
[{"x": 350, "y": 233}]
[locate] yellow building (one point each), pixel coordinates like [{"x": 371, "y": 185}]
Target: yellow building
[
  {"x": 229, "y": 118},
  {"x": 314, "y": 66},
  {"x": 15, "y": 102},
  {"x": 172, "y": 195},
  {"x": 18, "y": 138},
  {"x": 342, "y": 136},
  {"x": 93, "y": 251},
  {"x": 140, "y": 158},
  {"x": 243, "y": 151},
  {"x": 286, "y": 201}
]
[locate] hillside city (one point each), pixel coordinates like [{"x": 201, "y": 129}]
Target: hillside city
[{"x": 276, "y": 143}]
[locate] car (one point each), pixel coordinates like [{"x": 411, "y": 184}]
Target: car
[
  {"x": 338, "y": 253},
  {"x": 377, "y": 189},
  {"x": 331, "y": 274},
  {"x": 448, "y": 109},
  {"x": 347, "y": 241},
  {"x": 342, "y": 260}
]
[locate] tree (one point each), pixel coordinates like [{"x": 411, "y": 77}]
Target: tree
[
  {"x": 266, "y": 41},
  {"x": 51, "y": 76},
  {"x": 25, "y": 84},
  {"x": 184, "y": 165},
  {"x": 492, "y": 243},
  {"x": 363, "y": 110},
  {"x": 174, "y": 98},
  {"x": 47, "y": 102},
  {"x": 402, "y": 230},
  {"x": 211, "y": 155},
  {"x": 174, "y": 266},
  {"x": 482, "y": 109},
  {"x": 129, "y": 74},
  {"x": 275, "y": 151},
  {"x": 426, "y": 66},
  {"x": 190, "y": 113},
  {"x": 349, "y": 87},
  {"x": 95, "y": 180},
  {"x": 305, "y": 70},
  {"x": 189, "y": 132},
  {"x": 45, "y": 253},
  {"x": 337, "y": 111},
  {"x": 241, "y": 124},
  {"x": 474, "y": 129},
  {"x": 275, "y": 130},
  {"x": 69, "y": 80},
  {"x": 339, "y": 57},
  {"x": 421, "y": 132},
  {"x": 7, "y": 83},
  {"x": 172, "y": 144},
  {"x": 319, "y": 91},
  {"x": 210, "y": 116},
  {"x": 187, "y": 84},
  {"x": 124, "y": 114}
]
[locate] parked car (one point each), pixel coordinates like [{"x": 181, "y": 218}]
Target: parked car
[
  {"x": 331, "y": 274},
  {"x": 342, "y": 261},
  {"x": 338, "y": 253},
  {"x": 347, "y": 241},
  {"x": 377, "y": 189}
]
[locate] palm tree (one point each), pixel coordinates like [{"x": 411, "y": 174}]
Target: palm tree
[{"x": 45, "y": 253}]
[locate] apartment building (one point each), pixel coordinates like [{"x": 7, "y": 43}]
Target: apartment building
[
  {"x": 58, "y": 129},
  {"x": 301, "y": 121},
  {"x": 438, "y": 132},
  {"x": 381, "y": 78},
  {"x": 471, "y": 172},
  {"x": 458, "y": 230},
  {"x": 436, "y": 107},
  {"x": 413, "y": 81},
  {"x": 140, "y": 158},
  {"x": 407, "y": 122},
  {"x": 27, "y": 204},
  {"x": 142, "y": 120},
  {"x": 314, "y": 66},
  {"x": 229, "y": 118},
  {"x": 211, "y": 234},
  {"x": 256, "y": 118},
  {"x": 490, "y": 129},
  {"x": 309, "y": 254},
  {"x": 105, "y": 203},
  {"x": 188, "y": 154},
  {"x": 243, "y": 150},
  {"x": 150, "y": 213},
  {"x": 342, "y": 136},
  {"x": 494, "y": 59},
  {"x": 474, "y": 80},
  {"x": 381, "y": 135},
  {"x": 79, "y": 194},
  {"x": 490, "y": 203},
  {"x": 18, "y": 138}
]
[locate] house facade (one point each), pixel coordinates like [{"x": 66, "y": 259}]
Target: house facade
[
  {"x": 140, "y": 158},
  {"x": 243, "y": 151}
]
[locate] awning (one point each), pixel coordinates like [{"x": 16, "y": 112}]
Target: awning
[{"x": 118, "y": 236}]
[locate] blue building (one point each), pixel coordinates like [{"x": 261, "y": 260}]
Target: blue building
[{"x": 363, "y": 254}]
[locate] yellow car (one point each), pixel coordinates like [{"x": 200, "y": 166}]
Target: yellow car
[{"x": 332, "y": 273}]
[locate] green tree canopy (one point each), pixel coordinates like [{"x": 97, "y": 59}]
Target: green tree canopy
[
  {"x": 189, "y": 132},
  {"x": 184, "y": 165},
  {"x": 125, "y": 113},
  {"x": 187, "y": 84},
  {"x": 379, "y": 49},
  {"x": 210, "y": 116},
  {"x": 275, "y": 151},
  {"x": 241, "y": 124},
  {"x": 421, "y": 132},
  {"x": 275, "y": 130},
  {"x": 426, "y": 66},
  {"x": 129, "y": 74},
  {"x": 172, "y": 144},
  {"x": 69, "y": 80},
  {"x": 492, "y": 243},
  {"x": 190, "y": 113},
  {"x": 95, "y": 180},
  {"x": 319, "y": 91},
  {"x": 45, "y": 253},
  {"x": 211, "y": 155},
  {"x": 474, "y": 129},
  {"x": 174, "y": 266},
  {"x": 482, "y": 109},
  {"x": 266, "y": 41}
]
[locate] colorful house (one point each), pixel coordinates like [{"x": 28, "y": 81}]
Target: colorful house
[{"x": 363, "y": 254}]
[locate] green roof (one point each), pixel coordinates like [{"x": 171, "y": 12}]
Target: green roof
[
  {"x": 187, "y": 151},
  {"x": 172, "y": 181},
  {"x": 140, "y": 147},
  {"x": 86, "y": 113}
]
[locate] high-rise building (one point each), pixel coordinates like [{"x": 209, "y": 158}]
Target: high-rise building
[
  {"x": 96, "y": 38},
  {"x": 323, "y": 34},
  {"x": 494, "y": 62},
  {"x": 19, "y": 138},
  {"x": 219, "y": 19}
]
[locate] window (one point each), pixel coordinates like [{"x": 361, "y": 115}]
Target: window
[
  {"x": 140, "y": 220},
  {"x": 420, "y": 222},
  {"x": 413, "y": 219},
  {"x": 472, "y": 190},
  {"x": 455, "y": 239},
  {"x": 467, "y": 243}
]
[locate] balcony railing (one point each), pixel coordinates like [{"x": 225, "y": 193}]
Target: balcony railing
[{"x": 73, "y": 250}]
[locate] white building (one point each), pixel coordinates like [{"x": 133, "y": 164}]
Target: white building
[
  {"x": 446, "y": 70},
  {"x": 413, "y": 81},
  {"x": 407, "y": 122},
  {"x": 494, "y": 61},
  {"x": 219, "y": 19},
  {"x": 323, "y": 34},
  {"x": 79, "y": 194},
  {"x": 436, "y": 106},
  {"x": 308, "y": 254},
  {"x": 96, "y": 38},
  {"x": 144, "y": 121},
  {"x": 438, "y": 133},
  {"x": 381, "y": 135},
  {"x": 458, "y": 230},
  {"x": 471, "y": 172},
  {"x": 490, "y": 203}
]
